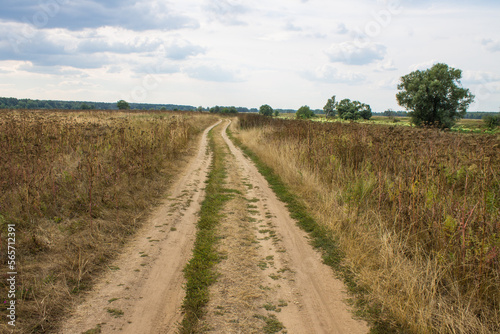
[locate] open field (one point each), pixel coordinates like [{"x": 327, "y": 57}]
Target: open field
[
  {"x": 252, "y": 270},
  {"x": 77, "y": 185},
  {"x": 416, "y": 212},
  {"x": 102, "y": 202},
  {"x": 462, "y": 126}
]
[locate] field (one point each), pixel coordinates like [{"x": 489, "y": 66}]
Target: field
[
  {"x": 462, "y": 125},
  {"x": 77, "y": 185},
  {"x": 416, "y": 212},
  {"x": 103, "y": 202}
]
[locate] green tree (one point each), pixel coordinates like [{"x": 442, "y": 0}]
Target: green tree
[
  {"x": 389, "y": 113},
  {"x": 492, "y": 121},
  {"x": 347, "y": 110},
  {"x": 365, "y": 111},
  {"x": 330, "y": 107},
  {"x": 123, "y": 105},
  {"x": 215, "y": 110},
  {"x": 304, "y": 112},
  {"x": 434, "y": 97},
  {"x": 276, "y": 113},
  {"x": 266, "y": 110},
  {"x": 353, "y": 110},
  {"x": 229, "y": 110}
]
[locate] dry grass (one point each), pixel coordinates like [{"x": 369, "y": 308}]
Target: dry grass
[
  {"x": 416, "y": 211},
  {"x": 77, "y": 184}
]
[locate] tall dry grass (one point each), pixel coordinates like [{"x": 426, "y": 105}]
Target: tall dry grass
[
  {"x": 417, "y": 213},
  {"x": 76, "y": 185}
]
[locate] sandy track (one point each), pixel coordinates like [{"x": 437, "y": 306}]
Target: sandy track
[
  {"x": 316, "y": 296},
  {"x": 270, "y": 278},
  {"x": 145, "y": 282},
  {"x": 269, "y": 274}
]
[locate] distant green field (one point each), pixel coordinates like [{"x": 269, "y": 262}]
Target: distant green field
[{"x": 464, "y": 125}]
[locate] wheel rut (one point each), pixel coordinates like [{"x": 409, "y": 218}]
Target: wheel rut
[
  {"x": 271, "y": 279},
  {"x": 142, "y": 291}
]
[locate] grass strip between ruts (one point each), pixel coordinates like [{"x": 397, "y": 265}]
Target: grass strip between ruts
[
  {"x": 200, "y": 272},
  {"x": 323, "y": 240}
]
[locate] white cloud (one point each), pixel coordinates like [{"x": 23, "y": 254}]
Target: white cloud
[
  {"x": 351, "y": 53},
  {"x": 491, "y": 45},
  {"x": 181, "y": 49},
  {"x": 280, "y": 36},
  {"x": 77, "y": 15},
  {"x": 105, "y": 44},
  {"x": 199, "y": 48},
  {"x": 423, "y": 65},
  {"x": 160, "y": 66},
  {"x": 388, "y": 84},
  {"x": 330, "y": 74},
  {"x": 292, "y": 27},
  {"x": 342, "y": 29},
  {"x": 227, "y": 12},
  {"x": 385, "y": 66},
  {"x": 54, "y": 70},
  {"x": 95, "y": 48},
  {"x": 480, "y": 77},
  {"x": 213, "y": 72}
]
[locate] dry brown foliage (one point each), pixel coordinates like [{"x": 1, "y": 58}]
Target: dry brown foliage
[
  {"x": 417, "y": 212},
  {"x": 76, "y": 185}
]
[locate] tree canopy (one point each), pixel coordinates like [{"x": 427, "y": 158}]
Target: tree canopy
[
  {"x": 330, "y": 107},
  {"x": 491, "y": 121},
  {"x": 434, "y": 97},
  {"x": 304, "y": 112},
  {"x": 353, "y": 110},
  {"x": 266, "y": 110},
  {"x": 223, "y": 110},
  {"x": 122, "y": 105}
]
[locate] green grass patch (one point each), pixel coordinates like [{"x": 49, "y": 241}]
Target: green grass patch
[
  {"x": 231, "y": 191},
  {"x": 96, "y": 330},
  {"x": 200, "y": 272},
  {"x": 262, "y": 265},
  {"x": 275, "y": 276},
  {"x": 272, "y": 324},
  {"x": 271, "y": 307},
  {"x": 282, "y": 303},
  {"x": 115, "y": 312}
]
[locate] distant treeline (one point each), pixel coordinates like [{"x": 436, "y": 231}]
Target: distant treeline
[
  {"x": 478, "y": 114},
  {"x": 398, "y": 113},
  {"x": 227, "y": 110},
  {"x": 13, "y": 103}
]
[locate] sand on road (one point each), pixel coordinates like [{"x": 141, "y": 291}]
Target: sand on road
[{"x": 270, "y": 277}]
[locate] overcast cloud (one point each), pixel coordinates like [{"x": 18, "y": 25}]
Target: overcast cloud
[{"x": 236, "y": 52}]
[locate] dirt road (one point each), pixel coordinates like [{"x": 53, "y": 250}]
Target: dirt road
[{"x": 270, "y": 278}]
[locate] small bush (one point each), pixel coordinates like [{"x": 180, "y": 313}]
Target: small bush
[{"x": 492, "y": 121}]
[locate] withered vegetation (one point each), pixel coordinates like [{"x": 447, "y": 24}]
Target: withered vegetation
[
  {"x": 76, "y": 185},
  {"x": 416, "y": 211}
]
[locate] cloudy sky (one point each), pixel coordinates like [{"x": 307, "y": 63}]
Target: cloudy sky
[{"x": 286, "y": 53}]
